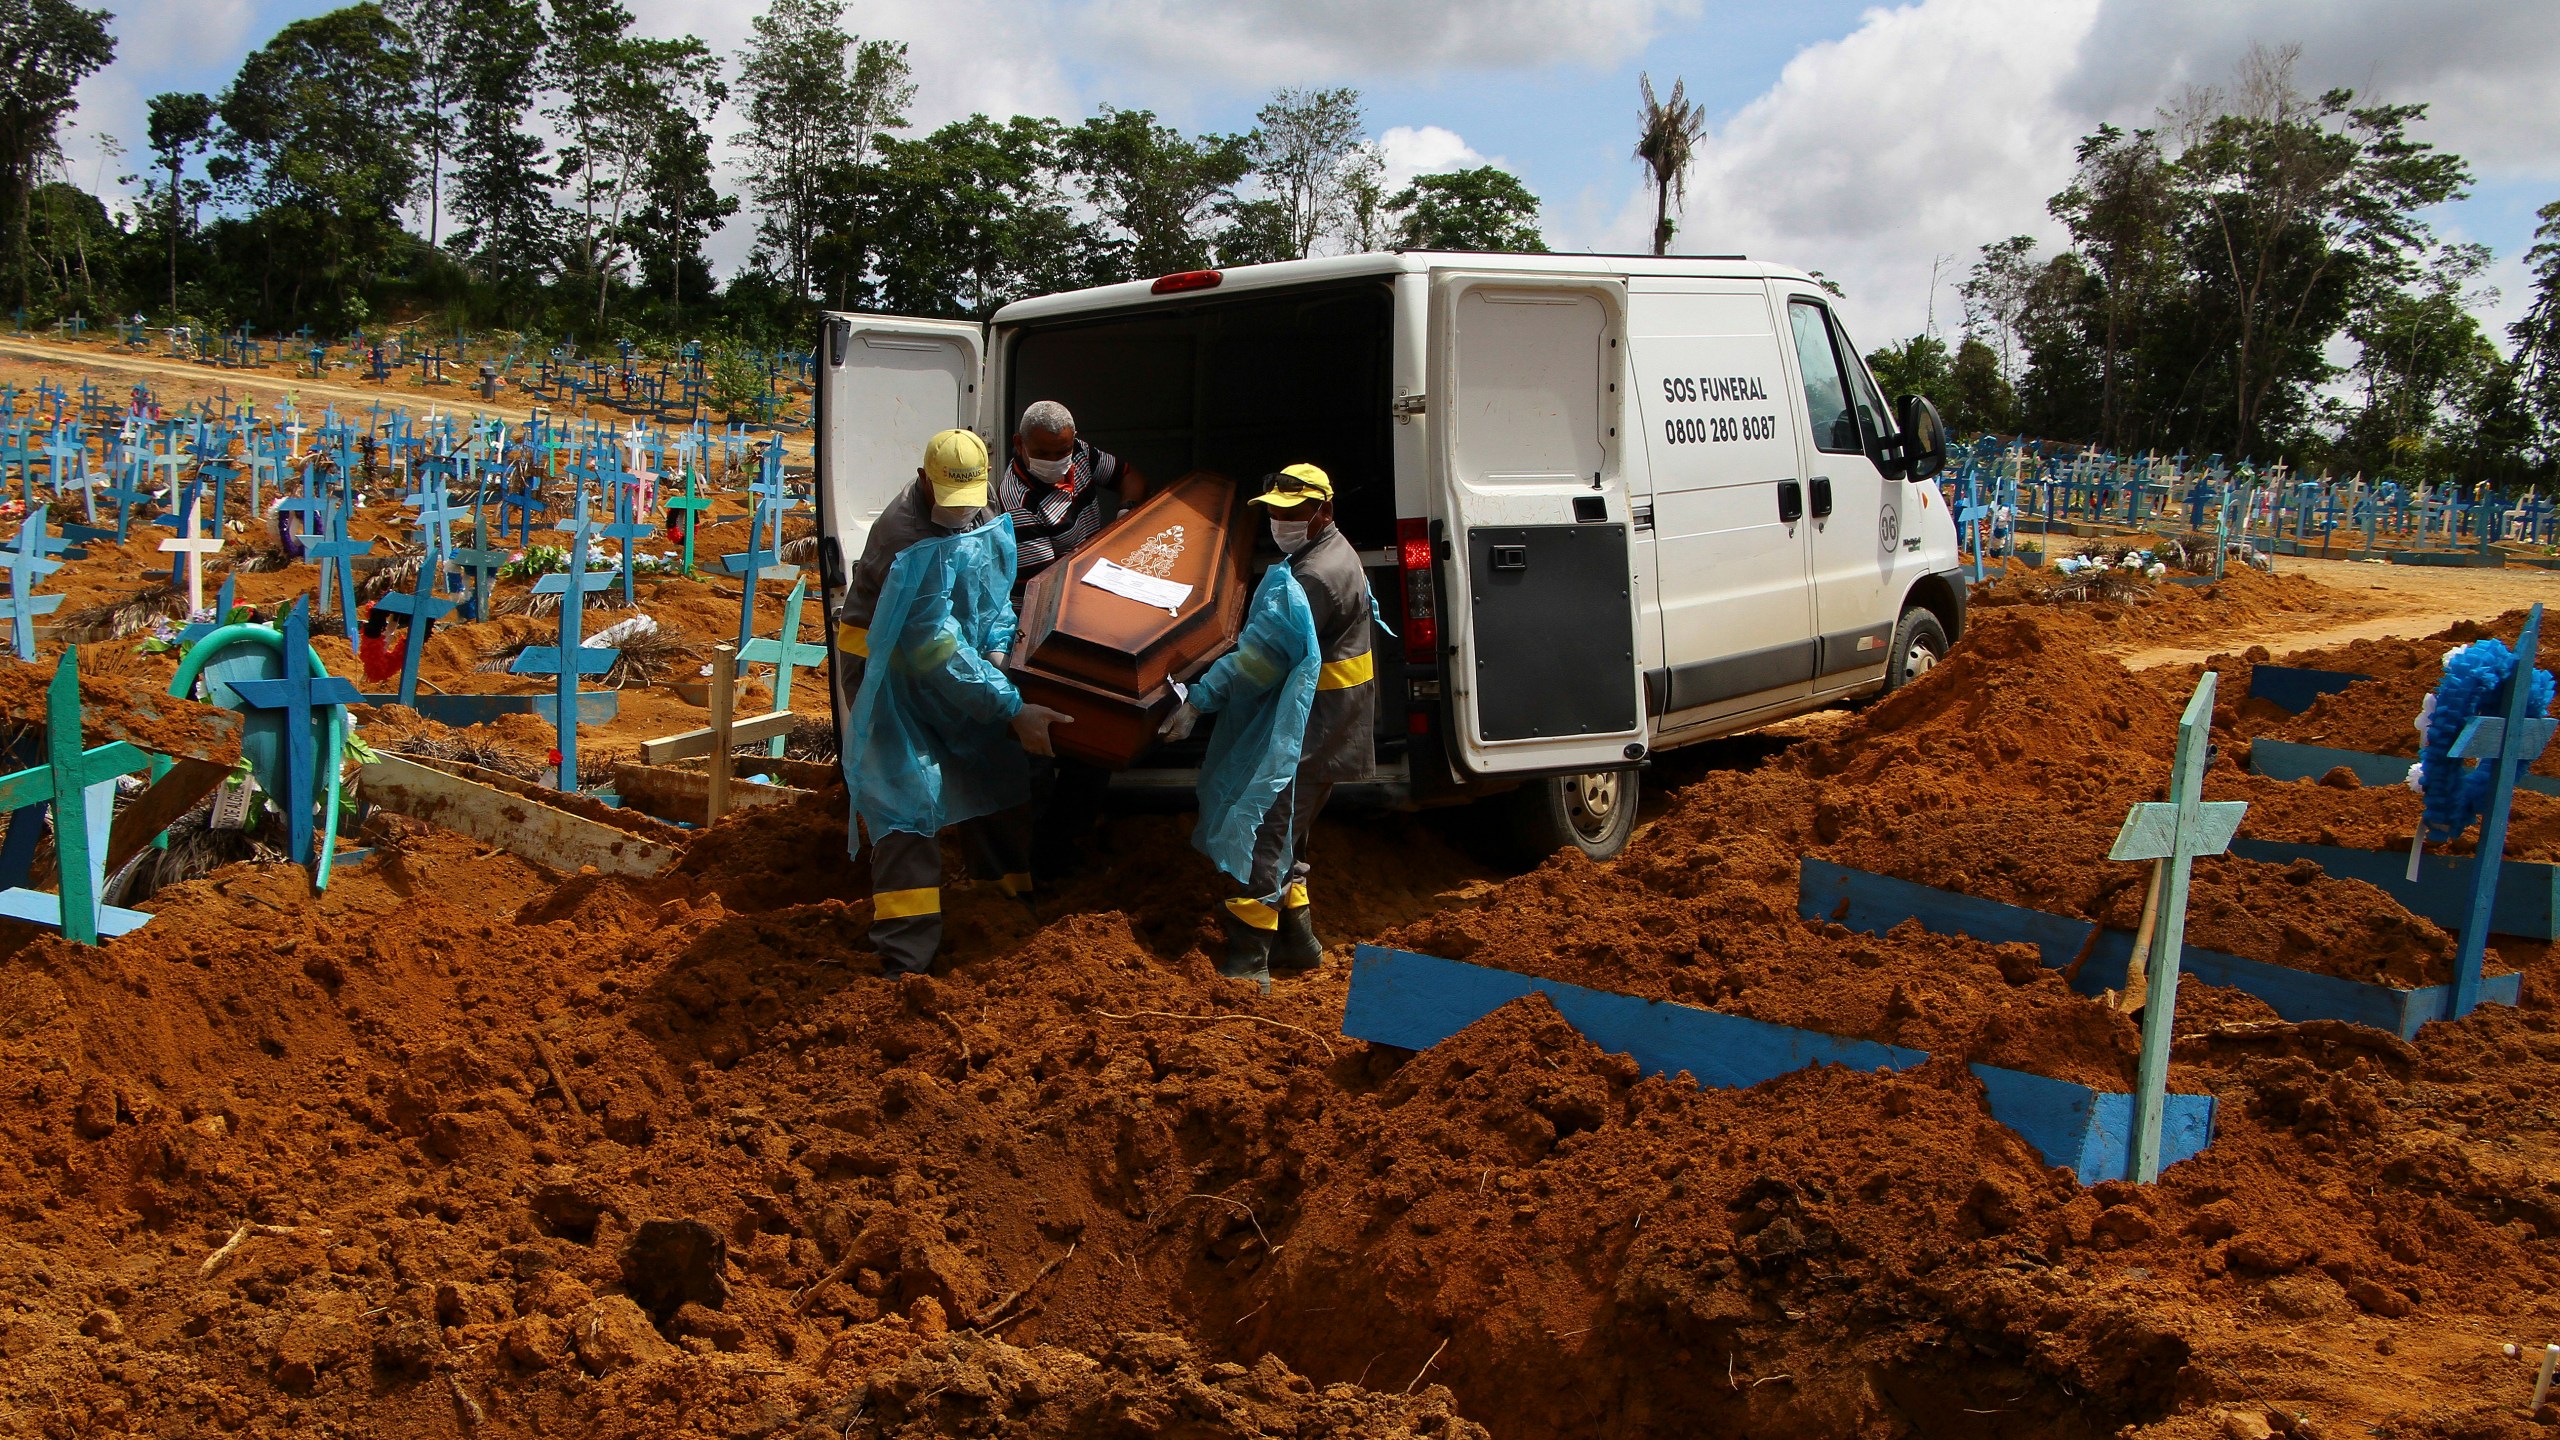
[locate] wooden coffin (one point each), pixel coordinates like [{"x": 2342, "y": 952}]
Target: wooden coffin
[{"x": 1109, "y": 659}]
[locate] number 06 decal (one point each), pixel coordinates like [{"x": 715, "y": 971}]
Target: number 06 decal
[{"x": 1889, "y": 527}]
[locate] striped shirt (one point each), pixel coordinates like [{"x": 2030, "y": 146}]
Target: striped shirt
[{"x": 1051, "y": 519}]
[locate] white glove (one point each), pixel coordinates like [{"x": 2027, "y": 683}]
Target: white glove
[
  {"x": 1178, "y": 725},
  {"x": 1031, "y": 726}
]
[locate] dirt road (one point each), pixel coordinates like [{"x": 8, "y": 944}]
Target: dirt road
[{"x": 2422, "y": 599}]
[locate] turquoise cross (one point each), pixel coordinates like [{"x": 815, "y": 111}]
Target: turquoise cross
[{"x": 2173, "y": 833}]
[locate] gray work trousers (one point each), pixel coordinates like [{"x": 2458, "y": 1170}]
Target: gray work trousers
[
  {"x": 906, "y": 882},
  {"x": 1280, "y": 865}
]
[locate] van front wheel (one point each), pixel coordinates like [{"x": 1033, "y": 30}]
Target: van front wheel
[
  {"x": 1919, "y": 643},
  {"x": 1593, "y": 812}
]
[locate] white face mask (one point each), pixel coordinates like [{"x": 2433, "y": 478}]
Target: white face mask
[
  {"x": 1047, "y": 469},
  {"x": 953, "y": 517},
  {"x": 1290, "y": 535}
]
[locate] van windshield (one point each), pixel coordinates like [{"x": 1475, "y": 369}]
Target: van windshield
[{"x": 1240, "y": 386}]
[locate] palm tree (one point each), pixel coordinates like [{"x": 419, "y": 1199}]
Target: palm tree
[{"x": 1668, "y": 143}]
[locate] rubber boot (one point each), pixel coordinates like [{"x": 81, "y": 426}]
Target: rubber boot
[
  {"x": 1297, "y": 947},
  {"x": 1248, "y": 957}
]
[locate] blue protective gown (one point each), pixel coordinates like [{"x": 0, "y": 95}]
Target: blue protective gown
[
  {"x": 1261, "y": 692},
  {"x": 931, "y": 736}
]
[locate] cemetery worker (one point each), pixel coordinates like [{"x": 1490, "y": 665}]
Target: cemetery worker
[
  {"x": 1296, "y": 708},
  {"x": 938, "y": 733},
  {"x": 1061, "y": 490}
]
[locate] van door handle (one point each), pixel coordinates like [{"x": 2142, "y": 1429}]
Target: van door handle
[
  {"x": 1790, "y": 501},
  {"x": 1510, "y": 557},
  {"x": 1821, "y": 496}
]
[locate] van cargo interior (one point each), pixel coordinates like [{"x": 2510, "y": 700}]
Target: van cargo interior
[{"x": 1241, "y": 386}]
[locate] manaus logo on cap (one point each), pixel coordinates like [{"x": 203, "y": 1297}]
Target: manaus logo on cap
[{"x": 955, "y": 463}]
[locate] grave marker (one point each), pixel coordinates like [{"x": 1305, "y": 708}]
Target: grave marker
[
  {"x": 81, "y": 785},
  {"x": 2173, "y": 832},
  {"x": 569, "y": 659}
]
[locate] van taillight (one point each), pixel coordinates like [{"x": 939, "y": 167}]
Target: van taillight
[
  {"x": 1421, "y": 615},
  {"x": 1187, "y": 280}
]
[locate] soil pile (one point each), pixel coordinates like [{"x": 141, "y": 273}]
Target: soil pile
[
  {"x": 2379, "y": 715},
  {"x": 2120, "y": 610}
]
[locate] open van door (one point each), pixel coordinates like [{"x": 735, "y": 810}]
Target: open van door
[
  {"x": 886, "y": 384},
  {"x": 1528, "y": 390}
]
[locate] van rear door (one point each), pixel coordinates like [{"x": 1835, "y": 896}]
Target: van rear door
[
  {"x": 1528, "y": 390},
  {"x": 886, "y": 384}
]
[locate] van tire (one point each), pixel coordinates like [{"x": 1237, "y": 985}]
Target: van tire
[
  {"x": 1919, "y": 643},
  {"x": 1593, "y": 813}
]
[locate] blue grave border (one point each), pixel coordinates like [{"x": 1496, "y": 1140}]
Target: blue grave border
[
  {"x": 1865, "y": 901},
  {"x": 1416, "y": 1001}
]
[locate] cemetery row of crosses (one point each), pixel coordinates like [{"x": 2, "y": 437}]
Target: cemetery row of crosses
[{"x": 422, "y": 1090}]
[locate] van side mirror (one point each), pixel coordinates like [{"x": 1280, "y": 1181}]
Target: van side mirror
[{"x": 1924, "y": 438}]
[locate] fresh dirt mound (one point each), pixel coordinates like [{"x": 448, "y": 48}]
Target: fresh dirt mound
[
  {"x": 2379, "y": 715},
  {"x": 2158, "y": 612},
  {"x": 1142, "y": 1385}
]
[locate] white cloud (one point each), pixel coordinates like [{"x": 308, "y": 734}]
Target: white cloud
[
  {"x": 2484, "y": 67},
  {"x": 1425, "y": 150},
  {"x": 1299, "y": 41},
  {"x": 1937, "y": 126},
  {"x": 1931, "y": 128}
]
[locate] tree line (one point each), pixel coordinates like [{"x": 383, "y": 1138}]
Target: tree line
[
  {"x": 537, "y": 165},
  {"x": 2215, "y": 264}
]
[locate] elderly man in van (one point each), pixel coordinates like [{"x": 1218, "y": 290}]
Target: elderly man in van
[{"x": 1061, "y": 489}]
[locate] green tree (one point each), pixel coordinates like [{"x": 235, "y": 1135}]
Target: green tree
[
  {"x": 2537, "y": 335},
  {"x": 302, "y": 124},
  {"x": 2292, "y": 206},
  {"x": 1995, "y": 295},
  {"x": 679, "y": 206},
  {"x": 1156, "y": 189},
  {"x": 1365, "y": 224},
  {"x": 2118, "y": 208},
  {"x": 47, "y": 47},
  {"x": 617, "y": 92},
  {"x": 434, "y": 31},
  {"x": 1486, "y": 208},
  {"x": 817, "y": 102},
  {"x": 966, "y": 218},
  {"x": 1304, "y": 145},
  {"x": 1667, "y": 142},
  {"x": 501, "y": 188},
  {"x": 181, "y": 125}
]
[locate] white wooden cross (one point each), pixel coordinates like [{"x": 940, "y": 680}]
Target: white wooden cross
[{"x": 195, "y": 547}]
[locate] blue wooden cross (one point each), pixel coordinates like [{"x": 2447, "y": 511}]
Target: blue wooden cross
[
  {"x": 128, "y": 492},
  {"x": 335, "y": 551},
  {"x": 302, "y": 696},
  {"x": 421, "y": 607},
  {"x": 785, "y": 653},
  {"x": 435, "y": 517},
  {"x": 2508, "y": 742},
  {"x": 630, "y": 523},
  {"x": 481, "y": 561},
  {"x": 81, "y": 786},
  {"x": 569, "y": 659},
  {"x": 521, "y": 501},
  {"x": 756, "y": 562},
  {"x": 26, "y": 562}
]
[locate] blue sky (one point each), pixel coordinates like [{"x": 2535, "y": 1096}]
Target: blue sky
[{"x": 1874, "y": 143}]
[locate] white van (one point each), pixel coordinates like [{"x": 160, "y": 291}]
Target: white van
[{"x": 1611, "y": 505}]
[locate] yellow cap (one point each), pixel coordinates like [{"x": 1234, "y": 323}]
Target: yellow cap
[
  {"x": 1295, "y": 486},
  {"x": 955, "y": 461}
]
